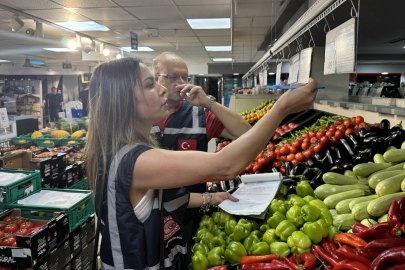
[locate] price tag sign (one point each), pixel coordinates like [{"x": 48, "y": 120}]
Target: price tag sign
[
  {"x": 134, "y": 41},
  {"x": 4, "y": 118},
  {"x": 69, "y": 115}
]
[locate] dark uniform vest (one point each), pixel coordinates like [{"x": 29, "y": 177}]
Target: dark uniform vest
[{"x": 127, "y": 243}]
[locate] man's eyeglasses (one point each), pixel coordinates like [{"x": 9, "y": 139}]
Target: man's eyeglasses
[{"x": 173, "y": 77}]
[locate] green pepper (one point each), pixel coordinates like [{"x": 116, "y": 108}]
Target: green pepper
[
  {"x": 217, "y": 242},
  {"x": 299, "y": 242},
  {"x": 281, "y": 199},
  {"x": 216, "y": 257},
  {"x": 285, "y": 229},
  {"x": 199, "y": 261},
  {"x": 314, "y": 231},
  {"x": 294, "y": 214},
  {"x": 255, "y": 225},
  {"x": 308, "y": 198},
  {"x": 264, "y": 226},
  {"x": 261, "y": 248},
  {"x": 248, "y": 243},
  {"x": 304, "y": 189},
  {"x": 222, "y": 217},
  {"x": 234, "y": 252},
  {"x": 230, "y": 239},
  {"x": 207, "y": 238},
  {"x": 204, "y": 249},
  {"x": 258, "y": 233},
  {"x": 279, "y": 206},
  {"x": 275, "y": 219},
  {"x": 242, "y": 230},
  {"x": 332, "y": 231},
  {"x": 310, "y": 212},
  {"x": 318, "y": 203},
  {"x": 324, "y": 227},
  {"x": 279, "y": 248},
  {"x": 205, "y": 217},
  {"x": 326, "y": 216},
  {"x": 199, "y": 234},
  {"x": 269, "y": 236},
  {"x": 298, "y": 201},
  {"x": 208, "y": 224},
  {"x": 292, "y": 195},
  {"x": 216, "y": 230},
  {"x": 282, "y": 191},
  {"x": 230, "y": 226}
]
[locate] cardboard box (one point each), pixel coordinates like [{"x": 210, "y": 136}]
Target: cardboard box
[
  {"x": 91, "y": 227},
  {"x": 50, "y": 182},
  {"x": 88, "y": 254},
  {"x": 61, "y": 162},
  {"x": 75, "y": 242},
  {"x": 72, "y": 174},
  {"x": 82, "y": 169},
  {"x": 58, "y": 229},
  {"x": 67, "y": 267},
  {"x": 63, "y": 182},
  {"x": 44, "y": 165},
  {"x": 20, "y": 160},
  {"x": 77, "y": 262}
]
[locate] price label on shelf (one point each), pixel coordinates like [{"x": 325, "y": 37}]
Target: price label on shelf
[{"x": 4, "y": 118}]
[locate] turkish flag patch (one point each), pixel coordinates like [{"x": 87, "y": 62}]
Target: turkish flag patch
[{"x": 184, "y": 145}]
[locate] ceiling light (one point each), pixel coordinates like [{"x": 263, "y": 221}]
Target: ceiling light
[
  {"x": 83, "y": 26},
  {"x": 201, "y": 74},
  {"x": 60, "y": 49},
  {"x": 72, "y": 44},
  {"x": 218, "y": 48},
  {"x": 384, "y": 73},
  {"x": 236, "y": 74},
  {"x": 106, "y": 52},
  {"x": 140, "y": 49},
  {"x": 5, "y": 61},
  {"x": 219, "y": 23},
  {"x": 118, "y": 55},
  {"x": 272, "y": 73},
  {"x": 222, "y": 59},
  {"x": 16, "y": 23}
]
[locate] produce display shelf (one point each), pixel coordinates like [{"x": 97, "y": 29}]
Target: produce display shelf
[
  {"x": 82, "y": 185},
  {"x": 78, "y": 212},
  {"x": 65, "y": 140},
  {"x": 22, "y": 139}
]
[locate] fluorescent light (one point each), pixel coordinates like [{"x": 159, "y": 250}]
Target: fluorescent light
[
  {"x": 72, "y": 44},
  {"x": 60, "y": 50},
  {"x": 219, "y": 23},
  {"x": 272, "y": 73},
  {"x": 222, "y": 59},
  {"x": 236, "y": 74},
  {"x": 83, "y": 26},
  {"x": 106, "y": 52},
  {"x": 201, "y": 74},
  {"x": 218, "y": 48},
  {"x": 140, "y": 49},
  {"x": 36, "y": 62},
  {"x": 5, "y": 61},
  {"x": 384, "y": 73}
]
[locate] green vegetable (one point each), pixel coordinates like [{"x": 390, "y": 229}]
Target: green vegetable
[
  {"x": 332, "y": 231},
  {"x": 344, "y": 222},
  {"x": 207, "y": 238},
  {"x": 199, "y": 234},
  {"x": 230, "y": 239},
  {"x": 255, "y": 225},
  {"x": 310, "y": 212},
  {"x": 380, "y": 206},
  {"x": 216, "y": 231},
  {"x": 217, "y": 242},
  {"x": 368, "y": 222},
  {"x": 204, "y": 249},
  {"x": 264, "y": 227},
  {"x": 326, "y": 190},
  {"x": 359, "y": 211},
  {"x": 362, "y": 199},
  {"x": 279, "y": 248},
  {"x": 234, "y": 252},
  {"x": 391, "y": 148},
  {"x": 350, "y": 174},
  {"x": 390, "y": 185},
  {"x": 292, "y": 195},
  {"x": 332, "y": 200},
  {"x": 222, "y": 217},
  {"x": 378, "y": 158},
  {"x": 395, "y": 155},
  {"x": 403, "y": 145},
  {"x": 333, "y": 212},
  {"x": 313, "y": 230},
  {"x": 279, "y": 206},
  {"x": 338, "y": 179},
  {"x": 392, "y": 168},
  {"x": 269, "y": 236},
  {"x": 248, "y": 243},
  {"x": 282, "y": 191},
  {"x": 230, "y": 226},
  {"x": 308, "y": 198},
  {"x": 326, "y": 216},
  {"x": 275, "y": 219},
  {"x": 365, "y": 169},
  {"x": 304, "y": 189},
  {"x": 318, "y": 203},
  {"x": 242, "y": 229},
  {"x": 299, "y": 242},
  {"x": 261, "y": 248},
  {"x": 216, "y": 257},
  {"x": 298, "y": 201},
  {"x": 383, "y": 218},
  {"x": 257, "y": 233},
  {"x": 294, "y": 215},
  {"x": 363, "y": 180},
  {"x": 285, "y": 229},
  {"x": 343, "y": 206},
  {"x": 199, "y": 261},
  {"x": 207, "y": 223}
]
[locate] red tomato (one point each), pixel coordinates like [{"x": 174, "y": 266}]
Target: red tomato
[
  {"x": 320, "y": 134},
  {"x": 325, "y": 140},
  {"x": 249, "y": 169},
  {"x": 307, "y": 139},
  {"x": 27, "y": 225},
  {"x": 21, "y": 232},
  {"x": 305, "y": 145},
  {"x": 278, "y": 152},
  {"x": 332, "y": 127},
  {"x": 11, "y": 228},
  {"x": 2, "y": 225},
  {"x": 285, "y": 150},
  {"x": 297, "y": 144},
  {"x": 1, "y": 234},
  {"x": 295, "y": 162},
  {"x": 288, "y": 144},
  {"x": 376, "y": 125},
  {"x": 293, "y": 150},
  {"x": 314, "y": 140},
  {"x": 341, "y": 127},
  {"x": 19, "y": 222},
  {"x": 354, "y": 120},
  {"x": 282, "y": 170},
  {"x": 7, "y": 219},
  {"x": 271, "y": 147},
  {"x": 271, "y": 157},
  {"x": 300, "y": 157},
  {"x": 359, "y": 119},
  {"x": 14, "y": 244},
  {"x": 325, "y": 128},
  {"x": 309, "y": 153},
  {"x": 348, "y": 123},
  {"x": 305, "y": 135},
  {"x": 312, "y": 134},
  {"x": 334, "y": 140},
  {"x": 329, "y": 133},
  {"x": 281, "y": 144},
  {"x": 261, "y": 162},
  {"x": 348, "y": 131},
  {"x": 283, "y": 158},
  {"x": 318, "y": 148},
  {"x": 2, "y": 267},
  {"x": 356, "y": 127},
  {"x": 290, "y": 157},
  {"x": 364, "y": 125},
  {"x": 256, "y": 168},
  {"x": 340, "y": 134},
  {"x": 339, "y": 122},
  {"x": 277, "y": 164},
  {"x": 8, "y": 242}
]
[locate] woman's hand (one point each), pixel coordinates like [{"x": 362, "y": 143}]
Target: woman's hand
[{"x": 219, "y": 197}]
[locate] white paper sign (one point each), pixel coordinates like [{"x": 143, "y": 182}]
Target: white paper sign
[
  {"x": 4, "y": 118},
  {"x": 305, "y": 65},
  {"x": 265, "y": 77},
  {"x": 69, "y": 115},
  {"x": 294, "y": 68},
  {"x": 330, "y": 63},
  {"x": 345, "y": 50},
  {"x": 278, "y": 74}
]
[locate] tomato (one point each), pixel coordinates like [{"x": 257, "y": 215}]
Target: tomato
[
  {"x": 325, "y": 140},
  {"x": 305, "y": 145},
  {"x": 249, "y": 169},
  {"x": 19, "y": 222},
  {"x": 314, "y": 140},
  {"x": 318, "y": 148},
  {"x": 332, "y": 127},
  {"x": 27, "y": 225},
  {"x": 7, "y": 219},
  {"x": 300, "y": 157},
  {"x": 309, "y": 153},
  {"x": 2, "y": 267},
  {"x": 11, "y": 228},
  {"x": 376, "y": 125},
  {"x": 261, "y": 162},
  {"x": 288, "y": 144},
  {"x": 359, "y": 119},
  {"x": 305, "y": 135},
  {"x": 334, "y": 140},
  {"x": 2, "y": 225},
  {"x": 295, "y": 162},
  {"x": 271, "y": 147},
  {"x": 290, "y": 157},
  {"x": 282, "y": 170},
  {"x": 348, "y": 123},
  {"x": 364, "y": 125},
  {"x": 283, "y": 158},
  {"x": 354, "y": 120},
  {"x": 312, "y": 134},
  {"x": 341, "y": 127},
  {"x": 320, "y": 134},
  {"x": 285, "y": 150},
  {"x": 307, "y": 139},
  {"x": 277, "y": 164},
  {"x": 329, "y": 133},
  {"x": 256, "y": 168},
  {"x": 339, "y": 122},
  {"x": 325, "y": 128},
  {"x": 293, "y": 150},
  {"x": 340, "y": 134},
  {"x": 21, "y": 232},
  {"x": 348, "y": 131},
  {"x": 1, "y": 234},
  {"x": 278, "y": 152},
  {"x": 14, "y": 244},
  {"x": 356, "y": 127},
  {"x": 281, "y": 144},
  {"x": 271, "y": 157},
  {"x": 297, "y": 144},
  {"x": 8, "y": 242}
]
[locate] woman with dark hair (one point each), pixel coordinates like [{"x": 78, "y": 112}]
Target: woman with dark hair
[{"x": 138, "y": 195}]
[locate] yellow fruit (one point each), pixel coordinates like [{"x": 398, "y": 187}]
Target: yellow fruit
[
  {"x": 36, "y": 134},
  {"x": 57, "y": 134},
  {"x": 71, "y": 142},
  {"x": 77, "y": 135}
]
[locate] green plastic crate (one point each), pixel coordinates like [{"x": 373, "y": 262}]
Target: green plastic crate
[
  {"x": 76, "y": 215},
  {"x": 22, "y": 139},
  {"x": 82, "y": 184},
  {"x": 13, "y": 192},
  {"x": 65, "y": 140},
  {"x": 46, "y": 141}
]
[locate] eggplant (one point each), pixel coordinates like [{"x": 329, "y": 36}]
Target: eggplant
[
  {"x": 331, "y": 156},
  {"x": 397, "y": 138},
  {"x": 396, "y": 127},
  {"x": 275, "y": 170},
  {"x": 309, "y": 173},
  {"x": 385, "y": 124},
  {"x": 289, "y": 182},
  {"x": 360, "y": 158},
  {"x": 357, "y": 143},
  {"x": 347, "y": 166},
  {"x": 292, "y": 190},
  {"x": 319, "y": 156},
  {"x": 377, "y": 147},
  {"x": 318, "y": 178},
  {"x": 298, "y": 169},
  {"x": 313, "y": 184},
  {"x": 347, "y": 146},
  {"x": 369, "y": 138},
  {"x": 337, "y": 169},
  {"x": 341, "y": 152},
  {"x": 288, "y": 167},
  {"x": 311, "y": 163},
  {"x": 363, "y": 132}
]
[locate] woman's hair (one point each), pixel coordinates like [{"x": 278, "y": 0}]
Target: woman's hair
[{"x": 113, "y": 113}]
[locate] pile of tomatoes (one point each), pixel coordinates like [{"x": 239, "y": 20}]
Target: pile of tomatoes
[
  {"x": 11, "y": 226},
  {"x": 305, "y": 147}
]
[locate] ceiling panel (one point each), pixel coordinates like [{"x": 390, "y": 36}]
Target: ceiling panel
[
  {"x": 257, "y": 21},
  {"x": 249, "y": 10},
  {"x": 107, "y": 14},
  {"x": 191, "y": 44},
  {"x": 209, "y": 11},
  {"x": 121, "y": 24},
  {"x": 213, "y": 42},
  {"x": 212, "y": 32},
  {"x": 155, "y": 12},
  {"x": 83, "y": 3},
  {"x": 214, "y": 39},
  {"x": 246, "y": 31},
  {"x": 158, "y": 44},
  {"x": 167, "y": 24},
  {"x": 180, "y": 33},
  {"x": 57, "y": 15},
  {"x": 200, "y": 2},
  {"x": 5, "y": 15},
  {"x": 143, "y": 3},
  {"x": 27, "y": 4},
  {"x": 182, "y": 39}
]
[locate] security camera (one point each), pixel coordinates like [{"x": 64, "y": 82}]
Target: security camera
[
  {"x": 88, "y": 49},
  {"x": 30, "y": 32}
]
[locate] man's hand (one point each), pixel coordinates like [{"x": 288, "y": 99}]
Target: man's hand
[{"x": 194, "y": 95}]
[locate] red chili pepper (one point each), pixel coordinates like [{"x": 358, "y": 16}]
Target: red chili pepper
[
  {"x": 308, "y": 259},
  {"x": 293, "y": 265},
  {"x": 330, "y": 248},
  {"x": 280, "y": 263},
  {"x": 369, "y": 253},
  {"x": 378, "y": 229},
  {"x": 357, "y": 227},
  {"x": 263, "y": 266},
  {"x": 294, "y": 259},
  {"x": 350, "y": 265},
  {"x": 258, "y": 259},
  {"x": 330, "y": 267},
  {"x": 349, "y": 239},
  {"x": 397, "y": 267},
  {"x": 347, "y": 254},
  {"x": 324, "y": 255},
  {"x": 403, "y": 228},
  {"x": 221, "y": 267},
  {"x": 391, "y": 256},
  {"x": 386, "y": 243},
  {"x": 319, "y": 258},
  {"x": 393, "y": 214},
  {"x": 401, "y": 203}
]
